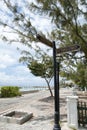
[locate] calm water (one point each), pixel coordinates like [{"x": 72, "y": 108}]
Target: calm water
[{"x": 33, "y": 88}]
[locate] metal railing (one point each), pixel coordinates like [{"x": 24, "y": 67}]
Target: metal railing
[{"x": 82, "y": 113}]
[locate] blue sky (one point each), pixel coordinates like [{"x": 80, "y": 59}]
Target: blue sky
[{"x": 11, "y": 71}]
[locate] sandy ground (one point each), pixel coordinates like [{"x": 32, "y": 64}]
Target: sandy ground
[{"x": 42, "y": 107}]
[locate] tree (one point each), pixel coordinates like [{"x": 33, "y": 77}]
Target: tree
[
  {"x": 43, "y": 68},
  {"x": 40, "y": 64},
  {"x": 68, "y": 17},
  {"x": 18, "y": 23},
  {"x": 69, "y": 29},
  {"x": 78, "y": 75}
]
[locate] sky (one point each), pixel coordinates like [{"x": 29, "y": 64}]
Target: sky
[{"x": 12, "y": 72}]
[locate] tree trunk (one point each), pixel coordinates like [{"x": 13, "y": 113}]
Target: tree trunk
[{"x": 49, "y": 87}]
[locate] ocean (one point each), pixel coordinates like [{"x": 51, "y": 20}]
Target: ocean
[{"x": 27, "y": 88}]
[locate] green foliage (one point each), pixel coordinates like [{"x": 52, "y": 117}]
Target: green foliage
[
  {"x": 78, "y": 76},
  {"x": 43, "y": 69},
  {"x": 36, "y": 68},
  {"x": 69, "y": 28},
  {"x": 9, "y": 91},
  {"x": 65, "y": 15}
]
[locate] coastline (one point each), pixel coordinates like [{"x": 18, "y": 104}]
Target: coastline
[{"x": 29, "y": 91}]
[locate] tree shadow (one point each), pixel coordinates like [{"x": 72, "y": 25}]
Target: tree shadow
[
  {"x": 44, "y": 118},
  {"x": 47, "y": 99},
  {"x": 62, "y": 102},
  {"x": 41, "y": 107},
  {"x": 63, "y": 117},
  {"x": 51, "y": 99}
]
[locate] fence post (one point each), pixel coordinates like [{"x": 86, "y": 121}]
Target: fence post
[{"x": 72, "y": 113}]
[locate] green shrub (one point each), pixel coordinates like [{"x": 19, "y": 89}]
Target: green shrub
[{"x": 10, "y": 91}]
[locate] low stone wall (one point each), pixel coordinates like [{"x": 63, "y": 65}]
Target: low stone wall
[{"x": 17, "y": 117}]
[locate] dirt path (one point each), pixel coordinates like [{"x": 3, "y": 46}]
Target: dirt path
[{"x": 40, "y": 104}]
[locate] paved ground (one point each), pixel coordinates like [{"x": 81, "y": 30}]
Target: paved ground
[{"x": 42, "y": 107}]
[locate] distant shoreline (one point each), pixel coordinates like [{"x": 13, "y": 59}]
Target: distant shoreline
[
  {"x": 29, "y": 91},
  {"x": 33, "y": 88}
]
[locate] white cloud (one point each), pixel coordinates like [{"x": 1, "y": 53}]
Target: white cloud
[
  {"x": 2, "y": 74},
  {"x": 20, "y": 78},
  {"x": 6, "y": 59},
  {"x": 2, "y": 66},
  {"x": 11, "y": 71},
  {"x": 43, "y": 24}
]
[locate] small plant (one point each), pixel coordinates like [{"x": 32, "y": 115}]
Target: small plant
[
  {"x": 73, "y": 128},
  {"x": 10, "y": 91}
]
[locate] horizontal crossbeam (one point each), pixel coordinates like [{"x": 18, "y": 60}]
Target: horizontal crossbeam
[{"x": 44, "y": 40}]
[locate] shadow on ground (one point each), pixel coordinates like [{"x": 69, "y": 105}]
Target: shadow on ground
[
  {"x": 41, "y": 119},
  {"x": 47, "y": 99}
]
